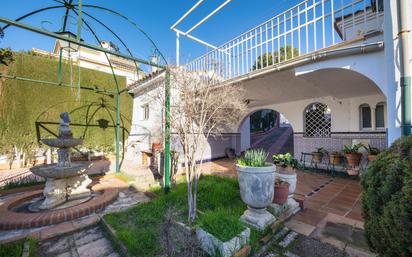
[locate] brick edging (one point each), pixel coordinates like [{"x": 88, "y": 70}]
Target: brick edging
[{"x": 10, "y": 220}]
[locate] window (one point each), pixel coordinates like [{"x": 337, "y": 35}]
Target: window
[
  {"x": 365, "y": 117},
  {"x": 380, "y": 115},
  {"x": 317, "y": 119},
  {"x": 145, "y": 112}
]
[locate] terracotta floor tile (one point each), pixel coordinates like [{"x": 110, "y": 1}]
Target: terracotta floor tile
[
  {"x": 310, "y": 216},
  {"x": 355, "y": 216}
]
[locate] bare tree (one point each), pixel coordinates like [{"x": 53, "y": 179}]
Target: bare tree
[{"x": 200, "y": 110}]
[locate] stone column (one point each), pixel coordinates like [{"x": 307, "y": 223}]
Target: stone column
[{"x": 373, "y": 117}]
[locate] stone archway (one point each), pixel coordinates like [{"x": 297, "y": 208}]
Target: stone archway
[{"x": 268, "y": 129}]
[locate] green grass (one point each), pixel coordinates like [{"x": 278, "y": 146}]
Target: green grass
[
  {"x": 15, "y": 249},
  {"x": 218, "y": 201},
  {"x": 20, "y": 183}
]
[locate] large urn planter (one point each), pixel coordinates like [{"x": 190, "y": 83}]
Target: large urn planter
[
  {"x": 291, "y": 179},
  {"x": 256, "y": 190},
  {"x": 353, "y": 159}
]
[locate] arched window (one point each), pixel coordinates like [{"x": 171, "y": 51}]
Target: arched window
[
  {"x": 317, "y": 120},
  {"x": 365, "y": 116},
  {"x": 380, "y": 115}
]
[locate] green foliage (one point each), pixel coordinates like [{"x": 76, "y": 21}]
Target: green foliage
[
  {"x": 23, "y": 103},
  {"x": 372, "y": 150},
  {"x": 352, "y": 149},
  {"x": 320, "y": 150},
  {"x": 253, "y": 158},
  {"x": 221, "y": 223},
  {"x": 262, "y": 120},
  {"x": 6, "y": 56},
  {"x": 15, "y": 249},
  {"x": 22, "y": 182},
  {"x": 336, "y": 154},
  {"x": 267, "y": 59},
  {"x": 386, "y": 200},
  {"x": 284, "y": 160},
  {"x": 218, "y": 200}
]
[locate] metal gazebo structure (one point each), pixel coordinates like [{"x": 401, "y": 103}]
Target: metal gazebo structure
[{"x": 80, "y": 11}]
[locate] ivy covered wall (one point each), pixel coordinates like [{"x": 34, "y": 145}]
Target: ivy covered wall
[{"x": 23, "y": 103}]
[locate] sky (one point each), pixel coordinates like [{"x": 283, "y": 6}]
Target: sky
[{"x": 155, "y": 17}]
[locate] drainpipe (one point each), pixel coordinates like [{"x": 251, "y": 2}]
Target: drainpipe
[{"x": 404, "y": 67}]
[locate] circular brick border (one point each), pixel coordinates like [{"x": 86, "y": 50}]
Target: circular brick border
[{"x": 10, "y": 220}]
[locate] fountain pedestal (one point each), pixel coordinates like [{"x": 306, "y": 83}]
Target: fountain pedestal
[{"x": 65, "y": 181}]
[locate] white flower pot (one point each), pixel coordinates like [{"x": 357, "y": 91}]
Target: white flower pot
[{"x": 292, "y": 180}]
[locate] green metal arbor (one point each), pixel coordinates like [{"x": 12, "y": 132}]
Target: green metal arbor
[{"x": 79, "y": 10}]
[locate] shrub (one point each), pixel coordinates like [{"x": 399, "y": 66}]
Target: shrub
[{"x": 387, "y": 199}]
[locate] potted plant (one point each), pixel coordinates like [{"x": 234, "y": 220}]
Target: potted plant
[
  {"x": 285, "y": 163},
  {"x": 281, "y": 191},
  {"x": 318, "y": 154},
  {"x": 286, "y": 171},
  {"x": 352, "y": 154},
  {"x": 335, "y": 158},
  {"x": 372, "y": 152},
  {"x": 256, "y": 183}
]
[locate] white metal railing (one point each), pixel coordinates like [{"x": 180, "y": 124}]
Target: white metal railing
[{"x": 307, "y": 27}]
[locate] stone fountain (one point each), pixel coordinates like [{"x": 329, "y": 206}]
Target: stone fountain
[{"x": 65, "y": 181}]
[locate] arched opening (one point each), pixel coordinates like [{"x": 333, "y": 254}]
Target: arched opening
[{"x": 266, "y": 129}]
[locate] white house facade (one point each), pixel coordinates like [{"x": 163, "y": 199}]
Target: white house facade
[{"x": 340, "y": 87}]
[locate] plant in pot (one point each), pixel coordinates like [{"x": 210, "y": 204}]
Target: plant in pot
[
  {"x": 372, "y": 152},
  {"x": 281, "y": 192},
  {"x": 335, "y": 158},
  {"x": 286, "y": 171},
  {"x": 256, "y": 183},
  {"x": 285, "y": 163},
  {"x": 352, "y": 154},
  {"x": 318, "y": 154}
]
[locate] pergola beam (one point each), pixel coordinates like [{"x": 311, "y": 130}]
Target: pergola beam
[{"x": 74, "y": 41}]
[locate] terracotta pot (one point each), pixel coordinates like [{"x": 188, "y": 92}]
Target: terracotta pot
[
  {"x": 353, "y": 159},
  {"x": 157, "y": 146},
  {"x": 335, "y": 159},
  {"x": 317, "y": 157},
  {"x": 372, "y": 157},
  {"x": 281, "y": 193}
]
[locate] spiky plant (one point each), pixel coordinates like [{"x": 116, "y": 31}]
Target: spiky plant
[{"x": 253, "y": 158}]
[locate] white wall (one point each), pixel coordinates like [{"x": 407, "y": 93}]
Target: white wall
[
  {"x": 392, "y": 77},
  {"x": 345, "y": 112}
]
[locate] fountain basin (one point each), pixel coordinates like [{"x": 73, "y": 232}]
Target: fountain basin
[
  {"x": 55, "y": 172},
  {"x": 62, "y": 142}
]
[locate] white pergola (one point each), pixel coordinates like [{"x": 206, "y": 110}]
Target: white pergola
[{"x": 187, "y": 32}]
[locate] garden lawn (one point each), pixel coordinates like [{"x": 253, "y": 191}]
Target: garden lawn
[
  {"x": 15, "y": 249},
  {"x": 219, "y": 205}
]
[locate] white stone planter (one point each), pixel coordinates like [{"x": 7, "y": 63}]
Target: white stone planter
[
  {"x": 256, "y": 190},
  {"x": 214, "y": 246},
  {"x": 292, "y": 180}
]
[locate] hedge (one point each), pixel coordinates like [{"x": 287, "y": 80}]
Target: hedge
[
  {"x": 23, "y": 103},
  {"x": 387, "y": 201}
]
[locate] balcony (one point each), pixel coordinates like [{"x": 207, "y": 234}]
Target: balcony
[{"x": 309, "y": 27}]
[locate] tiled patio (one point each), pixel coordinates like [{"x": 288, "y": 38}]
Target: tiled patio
[{"x": 326, "y": 198}]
